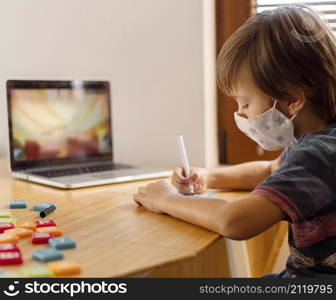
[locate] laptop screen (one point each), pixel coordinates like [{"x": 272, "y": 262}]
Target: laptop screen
[{"x": 57, "y": 122}]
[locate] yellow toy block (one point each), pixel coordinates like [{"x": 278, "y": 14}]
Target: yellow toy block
[
  {"x": 8, "y": 238},
  {"x": 5, "y": 214},
  {"x": 64, "y": 268},
  {"x": 25, "y": 224},
  {"x": 20, "y": 232}
]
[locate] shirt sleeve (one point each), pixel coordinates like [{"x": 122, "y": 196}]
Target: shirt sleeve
[{"x": 302, "y": 186}]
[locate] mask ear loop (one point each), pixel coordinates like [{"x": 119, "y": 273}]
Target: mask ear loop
[
  {"x": 292, "y": 118},
  {"x": 295, "y": 141}
]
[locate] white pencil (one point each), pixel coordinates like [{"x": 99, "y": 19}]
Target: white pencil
[{"x": 184, "y": 159}]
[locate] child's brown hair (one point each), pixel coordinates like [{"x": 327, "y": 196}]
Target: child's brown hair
[{"x": 288, "y": 50}]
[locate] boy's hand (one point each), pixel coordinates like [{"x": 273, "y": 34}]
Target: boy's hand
[
  {"x": 198, "y": 178},
  {"x": 152, "y": 194}
]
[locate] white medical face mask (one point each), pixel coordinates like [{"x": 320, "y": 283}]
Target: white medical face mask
[{"x": 271, "y": 130}]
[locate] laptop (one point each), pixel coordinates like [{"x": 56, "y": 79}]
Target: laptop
[{"x": 60, "y": 135}]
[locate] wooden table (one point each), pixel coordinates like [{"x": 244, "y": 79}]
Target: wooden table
[{"x": 116, "y": 238}]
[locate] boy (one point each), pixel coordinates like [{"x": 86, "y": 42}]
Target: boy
[{"x": 282, "y": 74}]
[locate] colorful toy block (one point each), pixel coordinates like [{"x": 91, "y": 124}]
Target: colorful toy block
[
  {"x": 21, "y": 233},
  {"x": 51, "y": 229},
  {"x": 5, "y": 226},
  {"x": 47, "y": 254},
  {"x": 62, "y": 243},
  {"x": 41, "y": 237},
  {"x": 44, "y": 223},
  {"x": 5, "y": 214},
  {"x": 7, "y": 220},
  {"x": 41, "y": 206},
  {"x": 37, "y": 272},
  {"x": 10, "y": 258},
  {"x": 14, "y": 204},
  {"x": 8, "y": 247},
  {"x": 8, "y": 238},
  {"x": 65, "y": 268},
  {"x": 25, "y": 224}
]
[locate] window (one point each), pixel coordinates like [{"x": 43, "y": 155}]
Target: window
[{"x": 326, "y": 7}]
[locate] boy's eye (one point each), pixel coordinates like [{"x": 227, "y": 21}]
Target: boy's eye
[{"x": 245, "y": 106}]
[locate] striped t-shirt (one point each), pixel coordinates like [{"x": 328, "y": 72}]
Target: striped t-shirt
[{"x": 304, "y": 187}]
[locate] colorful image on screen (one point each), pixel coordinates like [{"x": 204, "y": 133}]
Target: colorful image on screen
[{"x": 59, "y": 123}]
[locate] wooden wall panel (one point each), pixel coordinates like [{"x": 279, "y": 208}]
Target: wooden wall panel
[{"x": 234, "y": 146}]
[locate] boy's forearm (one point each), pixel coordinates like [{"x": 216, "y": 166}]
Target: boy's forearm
[
  {"x": 242, "y": 176},
  {"x": 204, "y": 212}
]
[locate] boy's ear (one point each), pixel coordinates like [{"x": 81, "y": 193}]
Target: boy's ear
[{"x": 296, "y": 104}]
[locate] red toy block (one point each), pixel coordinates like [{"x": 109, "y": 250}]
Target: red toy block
[
  {"x": 41, "y": 237},
  {"x": 45, "y": 223},
  {"x": 5, "y": 226},
  {"x": 10, "y": 258},
  {"x": 8, "y": 247}
]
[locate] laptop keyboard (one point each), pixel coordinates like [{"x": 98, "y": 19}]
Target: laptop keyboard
[{"x": 82, "y": 170}]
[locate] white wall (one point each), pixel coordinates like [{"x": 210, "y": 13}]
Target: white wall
[{"x": 152, "y": 52}]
